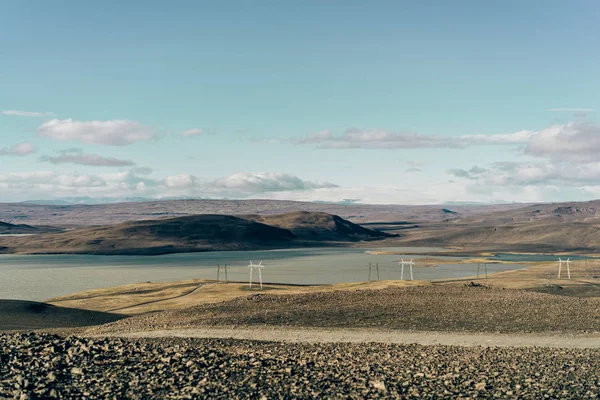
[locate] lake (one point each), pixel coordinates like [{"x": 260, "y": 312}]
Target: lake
[{"x": 45, "y": 276}]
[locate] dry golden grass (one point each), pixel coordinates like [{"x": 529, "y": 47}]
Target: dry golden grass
[
  {"x": 147, "y": 297},
  {"x": 543, "y": 277}
]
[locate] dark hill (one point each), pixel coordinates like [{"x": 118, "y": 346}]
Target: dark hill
[
  {"x": 448, "y": 211},
  {"x": 20, "y": 315},
  {"x": 319, "y": 226},
  {"x": 195, "y": 233},
  {"x": 6, "y": 228}
]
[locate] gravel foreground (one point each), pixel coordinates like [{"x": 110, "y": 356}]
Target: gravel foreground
[{"x": 49, "y": 366}]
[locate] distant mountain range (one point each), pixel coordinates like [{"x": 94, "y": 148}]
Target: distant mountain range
[
  {"x": 501, "y": 227},
  {"x": 77, "y": 215},
  {"x": 86, "y": 200}
]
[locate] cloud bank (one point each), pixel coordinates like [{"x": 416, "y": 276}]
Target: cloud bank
[
  {"x": 19, "y": 150},
  {"x": 27, "y": 113},
  {"x": 381, "y": 139},
  {"x": 108, "y": 133},
  {"x": 77, "y": 156},
  {"x": 137, "y": 182}
]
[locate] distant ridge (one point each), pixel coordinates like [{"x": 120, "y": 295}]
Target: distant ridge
[
  {"x": 539, "y": 227},
  {"x": 79, "y": 215},
  {"x": 6, "y": 228}
]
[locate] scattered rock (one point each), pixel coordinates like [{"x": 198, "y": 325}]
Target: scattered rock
[
  {"x": 160, "y": 368},
  {"x": 476, "y": 285}
]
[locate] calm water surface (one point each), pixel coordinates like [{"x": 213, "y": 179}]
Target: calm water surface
[{"x": 42, "y": 277}]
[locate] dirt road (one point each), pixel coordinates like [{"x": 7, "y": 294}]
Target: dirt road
[{"x": 315, "y": 335}]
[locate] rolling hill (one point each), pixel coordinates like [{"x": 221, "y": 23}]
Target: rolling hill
[
  {"x": 196, "y": 233},
  {"x": 538, "y": 227},
  {"x": 318, "y": 226}
]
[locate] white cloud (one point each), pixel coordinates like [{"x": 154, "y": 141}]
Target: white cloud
[
  {"x": 184, "y": 181},
  {"x": 52, "y": 184},
  {"x": 77, "y": 156},
  {"x": 575, "y": 142},
  {"x": 193, "y": 132},
  {"x": 260, "y": 182},
  {"x": 241, "y": 184},
  {"x": 49, "y": 181},
  {"x": 374, "y": 139},
  {"x": 381, "y": 139},
  {"x": 27, "y": 113},
  {"x": 430, "y": 193},
  {"x": 110, "y": 133},
  {"x": 18, "y": 150},
  {"x": 527, "y": 174},
  {"x": 584, "y": 110},
  {"x": 500, "y": 139},
  {"x": 27, "y": 177},
  {"x": 502, "y": 182}
]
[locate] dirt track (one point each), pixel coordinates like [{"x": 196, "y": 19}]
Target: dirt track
[{"x": 314, "y": 335}]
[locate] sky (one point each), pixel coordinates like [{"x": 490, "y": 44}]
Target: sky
[{"x": 387, "y": 102}]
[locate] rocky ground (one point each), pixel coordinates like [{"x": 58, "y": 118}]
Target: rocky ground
[
  {"x": 428, "y": 308},
  {"x": 47, "y": 366}
]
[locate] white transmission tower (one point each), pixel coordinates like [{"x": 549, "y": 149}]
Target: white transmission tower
[
  {"x": 410, "y": 264},
  {"x": 259, "y": 267},
  {"x": 560, "y": 263}
]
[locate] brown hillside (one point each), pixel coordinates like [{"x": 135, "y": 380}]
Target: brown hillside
[
  {"x": 558, "y": 226},
  {"x": 318, "y": 226},
  {"x": 197, "y": 233}
]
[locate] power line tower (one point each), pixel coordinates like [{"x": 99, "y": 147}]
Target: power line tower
[
  {"x": 376, "y": 268},
  {"x": 219, "y": 272},
  {"x": 485, "y": 267},
  {"x": 259, "y": 267},
  {"x": 410, "y": 264},
  {"x": 560, "y": 263}
]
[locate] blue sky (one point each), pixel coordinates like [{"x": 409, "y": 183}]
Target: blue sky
[{"x": 386, "y": 102}]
